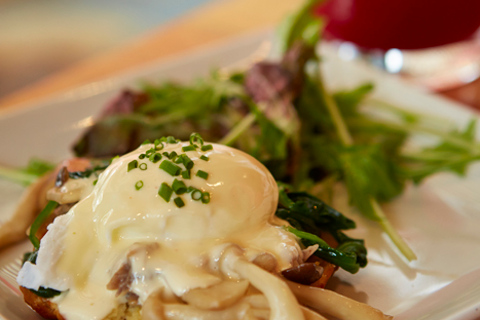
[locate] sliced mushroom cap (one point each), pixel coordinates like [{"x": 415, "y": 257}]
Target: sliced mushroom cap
[
  {"x": 218, "y": 296},
  {"x": 153, "y": 307},
  {"x": 306, "y": 273},
  {"x": 266, "y": 261},
  {"x": 14, "y": 229}
]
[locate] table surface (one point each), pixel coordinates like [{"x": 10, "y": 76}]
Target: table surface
[{"x": 216, "y": 21}]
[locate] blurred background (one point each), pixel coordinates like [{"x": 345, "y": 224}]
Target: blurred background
[
  {"x": 432, "y": 43},
  {"x": 38, "y": 38}
]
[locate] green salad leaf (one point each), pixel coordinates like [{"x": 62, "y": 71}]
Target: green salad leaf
[{"x": 26, "y": 176}]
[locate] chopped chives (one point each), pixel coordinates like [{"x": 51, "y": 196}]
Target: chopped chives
[
  {"x": 195, "y": 137},
  {"x": 155, "y": 157},
  {"x": 142, "y": 156},
  {"x": 187, "y": 162},
  {"x": 132, "y": 165},
  {"x": 202, "y": 174},
  {"x": 188, "y": 148},
  {"x": 95, "y": 182},
  {"x": 142, "y": 166},
  {"x": 179, "y": 187},
  {"x": 171, "y": 139},
  {"x": 186, "y": 174},
  {"x": 205, "y": 197},
  {"x": 158, "y": 144},
  {"x": 170, "y": 168},
  {"x": 197, "y": 195},
  {"x": 165, "y": 192},
  {"x": 149, "y": 152},
  {"x": 139, "y": 185},
  {"x": 179, "y": 202},
  {"x": 207, "y": 147},
  {"x": 172, "y": 155},
  {"x": 204, "y": 158},
  {"x": 146, "y": 142}
]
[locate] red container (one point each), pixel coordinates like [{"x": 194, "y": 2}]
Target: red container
[{"x": 402, "y": 24}]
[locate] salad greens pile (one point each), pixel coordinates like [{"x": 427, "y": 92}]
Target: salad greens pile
[{"x": 282, "y": 113}]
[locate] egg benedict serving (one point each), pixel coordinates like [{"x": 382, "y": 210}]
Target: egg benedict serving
[{"x": 175, "y": 230}]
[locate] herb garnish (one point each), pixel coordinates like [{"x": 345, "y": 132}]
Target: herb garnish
[
  {"x": 172, "y": 167},
  {"x": 165, "y": 191},
  {"x": 139, "y": 185}
]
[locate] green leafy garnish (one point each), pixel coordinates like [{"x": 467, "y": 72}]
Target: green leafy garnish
[
  {"x": 309, "y": 217},
  {"x": 42, "y": 291},
  {"x": 51, "y": 205},
  {"x": 46, "y": 292},
  {"x": 26, "y": 176}
]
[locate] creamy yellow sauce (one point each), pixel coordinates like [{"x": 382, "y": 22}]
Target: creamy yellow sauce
[{"x": 168, "y": 247}]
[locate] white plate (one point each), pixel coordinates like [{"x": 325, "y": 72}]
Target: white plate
[{"x": 440, "y": 220}]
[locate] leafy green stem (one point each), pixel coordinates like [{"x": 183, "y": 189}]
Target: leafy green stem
[
  {"x": 391, "y": 232},
  {"x": 406, "y": 114},
  {"x": 347, "y": 140},
  {"x": 26, "y": 176},
  {"x": 238, "y": 129},
  {"x": 413, "y": 127},
  {"x": 17, "y": 175},
  {"x": 335, "y": 114}
]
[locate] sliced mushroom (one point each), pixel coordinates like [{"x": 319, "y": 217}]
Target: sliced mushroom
[
  {"x": 13, "y": 230},
  {"x": 218, "y": 296},
  {"x": 306, "y": 273},
  {"x": 239, "y": 311},
  {"x": 334, "y": 304},
  {"x": 266, "y": 261},
  {"x": 153, "y": 307},
  {"x": 311, "y": 315},
  {"x": 121, "y": 280}
]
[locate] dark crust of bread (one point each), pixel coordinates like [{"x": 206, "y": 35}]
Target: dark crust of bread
[{"x": 42, "y": 306}]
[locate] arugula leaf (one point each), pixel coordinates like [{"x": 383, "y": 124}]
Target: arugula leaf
[
  {"x": 26, "y": 176},
  {"x": 348, "y": 101},
  {"x": 302, "y": 25},
  {"x": 367, "y": 174},
  {"x": 446, "y": 156}
]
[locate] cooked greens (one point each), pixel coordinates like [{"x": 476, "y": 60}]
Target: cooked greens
[
  {"x": 309, "y": 217},
  {"x": 39, "y": 221}
]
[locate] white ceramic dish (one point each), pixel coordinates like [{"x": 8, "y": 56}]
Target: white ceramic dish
[{"x": 440, "y": 219}]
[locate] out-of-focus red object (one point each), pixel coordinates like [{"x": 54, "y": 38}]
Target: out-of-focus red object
[{"x": 402, "y": 24}]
